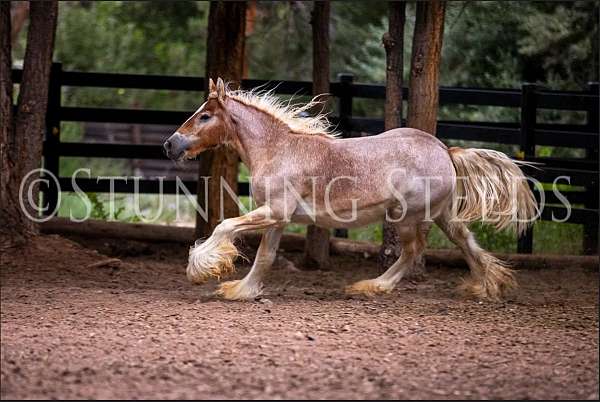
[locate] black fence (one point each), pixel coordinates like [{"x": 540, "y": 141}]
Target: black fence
[{"x": 583, "y": 172}]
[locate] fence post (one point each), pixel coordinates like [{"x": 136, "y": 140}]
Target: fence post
[
  {"x": 345, "y": 103},
  {"x": 52, "y": 137},
  {"x": 590, "y": 229},
  {"x": 527, "y": 149},
  {"x": 345, "y": 114}
]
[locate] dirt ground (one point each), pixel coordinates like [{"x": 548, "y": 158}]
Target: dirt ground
[{"x": 138, "y": 329}]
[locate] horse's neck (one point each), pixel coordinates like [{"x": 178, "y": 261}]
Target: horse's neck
[{"x": 259, "y": 135}]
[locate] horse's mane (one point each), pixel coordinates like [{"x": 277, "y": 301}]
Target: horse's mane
[{"x": 286, "y": 112}]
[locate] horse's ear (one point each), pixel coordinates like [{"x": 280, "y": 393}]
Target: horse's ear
[
  {"x": 211, "y": 85},
  {"x": 220, "y": 89}
]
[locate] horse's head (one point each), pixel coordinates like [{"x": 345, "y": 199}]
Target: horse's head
[{"x": 209, "y": 127}]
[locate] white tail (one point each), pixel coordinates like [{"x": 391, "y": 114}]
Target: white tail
[{"x": 491, "y": 186}]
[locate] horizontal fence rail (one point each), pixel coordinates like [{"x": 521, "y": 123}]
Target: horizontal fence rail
[
  {"x": 526, "y": 134},
  {"x": 558, "y": 100}
]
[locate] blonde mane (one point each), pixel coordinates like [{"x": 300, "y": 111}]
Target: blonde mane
[{"x": 286, "y": 112}]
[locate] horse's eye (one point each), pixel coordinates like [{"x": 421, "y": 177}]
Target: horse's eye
[{"x": 204, "y": 117}]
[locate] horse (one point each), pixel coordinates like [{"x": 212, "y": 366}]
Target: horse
[{"x": 404, "y": 175}]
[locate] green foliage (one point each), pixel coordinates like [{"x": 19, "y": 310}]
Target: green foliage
[
  {"x": 548, "y": 238},
  {"x": 357, "y": 29},
  {"x": 502, "y": 44},
  {"x": 372, "y": 233},
  {"x": 296, "y": 228},
  {"x": 561, "y": 38},
  {"x": 282, "y": 58},
  {"x": 133, "y": 37},
  {"x": 557, "y": 238},
  {"x": 99, "y": 211}
]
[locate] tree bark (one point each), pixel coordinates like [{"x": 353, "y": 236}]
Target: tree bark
[
  {"x": 316, "y": 251},
  {"x": 6, "y": 84},
  {"x": 225, "y": 59},
  {"x": 393, "y": 42},
  {"x": 423, "y": 94},
  {"x": 18, "y": 16},
  {"x": 23, "y": 133},
  {"x": 9, "y": 213},
  {"x": 250, "y": 22}
]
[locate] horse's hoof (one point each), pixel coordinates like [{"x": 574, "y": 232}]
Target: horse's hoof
[
  {"x": 211, "y": 259},
  {"x": 238, "y": 290},
  {"x": 369, "y": 287}
]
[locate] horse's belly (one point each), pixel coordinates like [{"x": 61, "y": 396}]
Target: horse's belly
[{"x": 341, "y": 219}]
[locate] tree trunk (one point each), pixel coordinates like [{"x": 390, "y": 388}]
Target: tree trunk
[
  {"x": 250, "y": 22},
  {"x": 316, "y": 251},
  {"x": 9, "y": 213},
  {"x": 225, "y": 59},
  {"x": 18, "y": 16},
  {"x": 23, "y": 133},
  {"x": 423, "y": 94},
  {"x": 393, "y": 41}
]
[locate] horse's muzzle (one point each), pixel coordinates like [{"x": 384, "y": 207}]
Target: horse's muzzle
[{"x": 175, "y": 146}]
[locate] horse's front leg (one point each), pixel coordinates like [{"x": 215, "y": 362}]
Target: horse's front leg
[
  {"x": 215, "y": 256},
  {"x": 251, "y": 286}
]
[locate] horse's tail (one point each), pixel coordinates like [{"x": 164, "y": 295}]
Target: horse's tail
[{"x": 491, "y": 186}]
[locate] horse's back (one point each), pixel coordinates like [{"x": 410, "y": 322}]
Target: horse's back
[
  {"x": 409, "y": 133},
  {"x": 397, "y": 146}
]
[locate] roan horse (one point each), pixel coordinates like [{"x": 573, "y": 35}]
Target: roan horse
[{"x": 302, "y": 173}]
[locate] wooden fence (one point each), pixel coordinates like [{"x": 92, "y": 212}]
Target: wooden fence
[{"x": 583, "y": 172}]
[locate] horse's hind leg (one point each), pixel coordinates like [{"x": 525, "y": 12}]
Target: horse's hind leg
[
  {"x": 413, "y": 240},
  {"x": 490, "y": 277},
  {"x": 251, "y": 286}
]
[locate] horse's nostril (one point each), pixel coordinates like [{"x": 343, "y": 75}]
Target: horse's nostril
[{"x": 167, "y": 145}]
